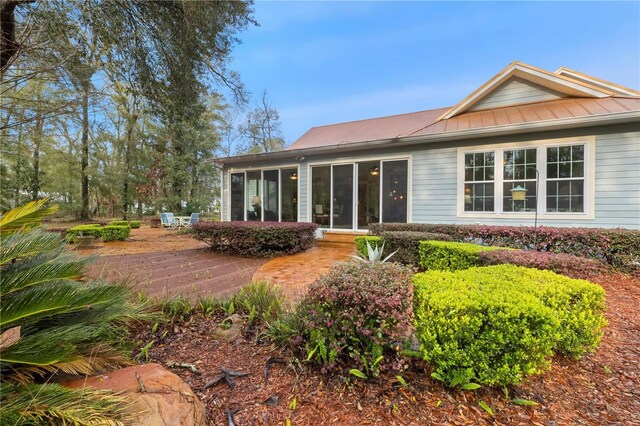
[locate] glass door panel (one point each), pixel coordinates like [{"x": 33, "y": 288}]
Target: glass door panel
[
  {"x": 289, "y": 195},
  {"x": 253, "y": 199},
  {"x": 237, "y": 196},
  {"x": 321, "y": 195},
  {"x": 342, "y": 213},
  {"x": 270, "y": 195},
  {"x": 394, "y": 191},
  {"x": 368, "y": 193}
]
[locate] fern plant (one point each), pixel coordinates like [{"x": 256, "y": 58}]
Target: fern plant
[{"x": 52, "y": 321}]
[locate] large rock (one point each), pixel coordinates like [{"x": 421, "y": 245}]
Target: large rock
[{"x": 160, "y": 397}]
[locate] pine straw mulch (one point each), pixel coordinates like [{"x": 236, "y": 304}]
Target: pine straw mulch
[{"x": 601, "y": 388}]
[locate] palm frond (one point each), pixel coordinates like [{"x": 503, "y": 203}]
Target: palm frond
[
  {"x": 25, "y": 217},
  {"x": 18, "y": 277},
  {"x": 24, "y": 246},
  {"x": 35, "y": 303},
  {"x": 55, "y": 404}
]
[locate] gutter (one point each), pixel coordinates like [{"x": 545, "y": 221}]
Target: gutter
[{"x": 538, "y": 126}]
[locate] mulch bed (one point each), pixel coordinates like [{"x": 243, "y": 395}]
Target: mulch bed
[{"x": 601, "y": 388}]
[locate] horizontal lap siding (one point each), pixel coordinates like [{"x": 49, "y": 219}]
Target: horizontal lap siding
[
  {"x": 618, "y": 180},
  {"x": 617, "y": 171},
  {"x": 514, "y": 92}
]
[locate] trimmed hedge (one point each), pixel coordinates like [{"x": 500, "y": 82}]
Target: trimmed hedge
[
  {"x": 618, "y": 247},
  {"x": 256, "y": 239},
  {"x": 565, "y": 264},
  {"x": 361, "y": 243},
  {"x": 355, "y": 315},
  {"x": 495, "y": 325},
  {"x": 451, "y": 256},
  {"x": 133, "y": 224},
  {"x": 406, "y": 244},
  {"x": 86, "y": 230},
  {"x": 107, "y": 233},
  {"x": 115, "y": 233}
]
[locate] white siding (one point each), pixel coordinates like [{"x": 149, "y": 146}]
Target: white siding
[{"x": 515, "y": 91}]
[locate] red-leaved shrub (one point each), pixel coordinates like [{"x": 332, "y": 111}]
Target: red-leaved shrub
[
  {"x": 256, "y": 239},
  {"x": 564, "y": 264},
  {"x": 617, "y": 247},
  {"x": 355, "y": 313}
]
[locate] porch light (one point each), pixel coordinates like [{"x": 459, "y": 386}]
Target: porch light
[
  {"x": 293, "y": 176},
  {"x": 519, "y": 193},
  {"x": 375, "y": 171}
]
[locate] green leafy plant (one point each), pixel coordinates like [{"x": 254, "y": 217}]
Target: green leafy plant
[
  {"x": 260, "y": 301},
  {"x": 52, "y": 322},
  {"x": 83, "y": 230},
  {"x": 130, "y": 223},
  {"x": 450, "y": 256},
  {"x": 496, "y": 325},
  {"x": 115, "y": 233}
]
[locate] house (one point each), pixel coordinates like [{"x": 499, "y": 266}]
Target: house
[{"x": 569, "y": 143}]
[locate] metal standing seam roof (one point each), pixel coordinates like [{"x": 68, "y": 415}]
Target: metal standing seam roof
[{"x": 424, "y": 123}]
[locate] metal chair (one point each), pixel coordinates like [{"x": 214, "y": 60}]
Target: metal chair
[{"x": 168, "y": 220}]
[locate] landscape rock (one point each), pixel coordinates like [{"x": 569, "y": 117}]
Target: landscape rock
[
  {"x": 160, "y": 397},
  {"x": 232, "y": 333}
]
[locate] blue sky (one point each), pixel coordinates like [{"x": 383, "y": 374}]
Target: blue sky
[{"x": 329, "y": 62}]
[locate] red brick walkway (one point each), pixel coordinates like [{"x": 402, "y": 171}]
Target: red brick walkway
[{"x": 294, "y": 273}]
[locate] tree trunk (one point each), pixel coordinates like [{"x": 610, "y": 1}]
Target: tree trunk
[
  {"x": 16, "y": 202},
  {"x": 84, "y": 162},
  {"x": 37, "y": 144},
  {"x": 127, "y": 167}
]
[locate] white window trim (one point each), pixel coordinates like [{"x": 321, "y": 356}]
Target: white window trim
[{"x": 589, "y": 179}]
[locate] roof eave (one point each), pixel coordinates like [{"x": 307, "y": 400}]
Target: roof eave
[{"x": 538, "y": 126}]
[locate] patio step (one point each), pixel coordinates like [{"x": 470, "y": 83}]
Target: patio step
[{"x": 338, "y": 239}]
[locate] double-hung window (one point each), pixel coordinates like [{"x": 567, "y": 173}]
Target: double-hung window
[{"x": 554, "y": 175}]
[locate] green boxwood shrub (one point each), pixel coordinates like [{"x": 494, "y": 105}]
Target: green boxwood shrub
[
  {"x": 361, "y": 243},
  {"x": 406, "y": 244},
  {"x": 115, "y": 233},
  {"x": 495, "y": 325},
  {"x": 354, "y": 314},
  {"x": 93, "y": 230},
  {"x": 450, "y": 256},
  {"x": 133, "y": 224}
]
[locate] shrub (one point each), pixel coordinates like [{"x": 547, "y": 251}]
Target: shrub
[
  {"x": 115, "y": 233},
  {"x": 565, "y": 264},
  {"x": 133, "y": 224},
  {"x": 154, "y": 222},
  {"x": 256, "y": 239},
  {"x": 355, "y": 313},
  {"x": 407, "y": 244},
  {"x": 497, "y": 324},
  {"x": 470, "y": 334},
  {"x": 450, "y": 256},
  {"x": 618, "y": 247},
  {"x": 86, "y": 230},
  {"x": 361, "y": 243}
]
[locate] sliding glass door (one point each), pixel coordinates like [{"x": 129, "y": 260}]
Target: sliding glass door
[
  {"x": 394, "y": 191},
  {"x": 368, "y": 193},
  {"x": 355, "y": 195},
  {"x": 342, "y": 217}
]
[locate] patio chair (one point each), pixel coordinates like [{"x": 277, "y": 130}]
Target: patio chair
[
  {"x": 195, "y": 218},
  {"x": 168, "y": 220}
]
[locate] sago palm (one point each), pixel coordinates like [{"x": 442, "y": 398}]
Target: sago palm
[{"x": 52, "y": 321}]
